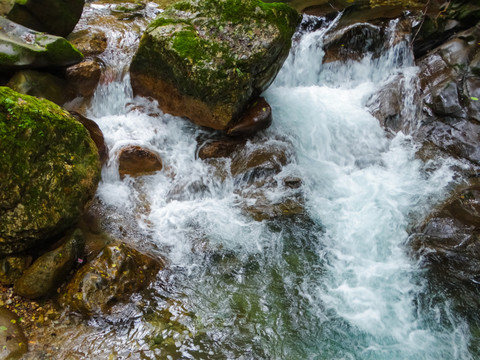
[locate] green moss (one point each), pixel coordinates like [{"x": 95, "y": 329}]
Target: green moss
[
  {"x": 164, "y": 21},
  {"x": 62, "y": 50},
  {"x": 49, "y": 165}
]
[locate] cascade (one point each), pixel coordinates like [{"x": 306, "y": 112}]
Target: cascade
[{"x": 335, "y": 283}]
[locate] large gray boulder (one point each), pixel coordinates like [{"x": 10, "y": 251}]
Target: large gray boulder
[{"x": 207, "y": 60}]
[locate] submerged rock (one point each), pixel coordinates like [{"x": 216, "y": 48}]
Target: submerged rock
[
  {"x": 41, "y": 85},
  {"x": 49, "y": 169},
  {"x": 49, "y": 270},
  {"x": 256, "y": 168},
  {"x": 207, "y": 60},
  {"x": 136, "y": 161},
  {"x": 112, "y": 277},
  {"x": 13, "y": 343},
  {"x": 57, "y": 17},
  {"x": 21, "y": 47}
]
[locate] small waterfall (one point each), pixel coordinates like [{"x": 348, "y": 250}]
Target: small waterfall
[{"x": 335, "y": 283}]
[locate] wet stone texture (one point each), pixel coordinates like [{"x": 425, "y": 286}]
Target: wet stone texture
[
  {"x": 112, "y": 277},
  {"x": 448, "y": 243}
]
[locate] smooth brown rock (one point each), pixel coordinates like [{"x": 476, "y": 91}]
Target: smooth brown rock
[
  {"x": 222, "y": 148},
  {"x": 136, "y": 161},
  {"x": 257, "y": 117},
  {"x": 84, "y": 77}
]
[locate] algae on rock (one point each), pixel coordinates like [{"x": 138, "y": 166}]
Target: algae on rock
[
  {"x": 49, "y": 169},
  {"x": 207, "y": 59}
]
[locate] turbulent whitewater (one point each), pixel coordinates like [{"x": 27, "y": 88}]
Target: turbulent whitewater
[{"x": 335, "y": 283}]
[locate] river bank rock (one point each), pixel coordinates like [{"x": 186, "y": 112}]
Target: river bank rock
[
  {"x": 112, "y": 277},
  {"x": 449, "y": 240},
  {"x": 444, "y": 107},
  {"x": 13, "y": 343},
  {"x": 207, "y": 60},
  {"x": 49, "y": 270},
  {"x": 21, "y": 48},
  {"x": 136, "y": 161},
  {"x": 49, "y": 169},
  {"x": 60, "y": 19}
]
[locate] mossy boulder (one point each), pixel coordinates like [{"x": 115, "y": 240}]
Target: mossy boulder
[
  {"x": 49, "y": 169},
  {"x": 21, "y": 47},
  {"x": 57, "y": 17},
  {"x": 207, "y": 60}
]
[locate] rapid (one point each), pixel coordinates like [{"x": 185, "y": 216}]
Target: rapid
[{"x": 336, "y": 282}]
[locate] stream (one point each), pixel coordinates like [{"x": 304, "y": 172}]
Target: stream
[{"x": 336, "y": 282}]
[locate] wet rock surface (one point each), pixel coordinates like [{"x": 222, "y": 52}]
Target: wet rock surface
[
  {"x": 258, "y": 116},
  {"x": 84, "y": 77},
  {"x": 112, "y": 277},
  {"x": 136, "y": 161},
  {"x": 448, "y": 244},
  {"x": 256, "y": 169},
  {"x": 49, "y": 170},
  {"x": 207, "y": 60}
]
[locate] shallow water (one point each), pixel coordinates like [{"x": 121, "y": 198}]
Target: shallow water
[{"x": 333, "y": 283}]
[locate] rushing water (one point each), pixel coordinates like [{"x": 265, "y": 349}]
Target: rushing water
[{"x": 335, "y": 283}]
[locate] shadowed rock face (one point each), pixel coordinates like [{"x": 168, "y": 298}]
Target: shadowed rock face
[
  {"x": 207, "y": 59},
  {"x": 49, "y": 169},
  {"x": 57, "y": 17},
  {"x": 21, "y": 48}
]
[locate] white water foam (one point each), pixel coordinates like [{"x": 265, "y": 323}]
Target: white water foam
[{"x": 360, "y": 186}]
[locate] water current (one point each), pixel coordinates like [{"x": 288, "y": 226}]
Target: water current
[{"x": 333, "y": 283}]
